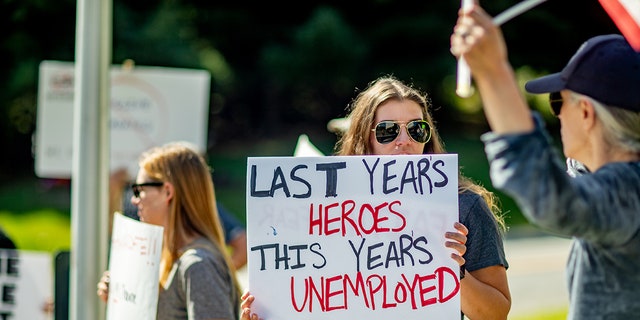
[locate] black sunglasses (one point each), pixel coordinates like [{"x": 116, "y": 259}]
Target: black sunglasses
[
  {"x": 136, "y": 187},
  {"x": 555, "y": 100},
  {"x": 388, "y": 130}
]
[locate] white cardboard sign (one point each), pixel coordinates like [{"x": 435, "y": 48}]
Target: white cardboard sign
[
  {"x": 149, "y": 106},
  {"x": 134, "y": 267},
  {"x": 356, "y": 237}
]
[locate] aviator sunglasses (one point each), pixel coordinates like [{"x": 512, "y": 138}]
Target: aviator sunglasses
[
  {"x": 136, "y": 187},
  {"x": 388, "y": 130},
  {"x": 555, "y": 100}
]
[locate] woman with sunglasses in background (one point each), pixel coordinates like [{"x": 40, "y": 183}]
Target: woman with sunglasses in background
[
  {"x": 174, "y": 190},
  {"x": 391, "y": 118}
]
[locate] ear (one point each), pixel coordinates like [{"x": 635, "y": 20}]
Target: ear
[
  {"x": 588, "y": 114},
  {"x": 169, "y": 191}
]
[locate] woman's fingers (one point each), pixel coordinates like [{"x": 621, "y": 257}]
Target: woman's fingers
[
  {"x": 103, "y": 286},
  {"x": 457, "y": 241},
  {"x": 247, "y": 300}
]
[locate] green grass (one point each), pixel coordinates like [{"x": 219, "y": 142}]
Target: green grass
[
  {"x": 35, "y": 213},
  {"x": 545, "y": 315},
  {"x": 44, "y": 230}
]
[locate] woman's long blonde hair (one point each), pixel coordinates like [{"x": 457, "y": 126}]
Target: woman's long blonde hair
[
  {"x": 193, "y": 207},
  {"x": 355, "y": 141}
]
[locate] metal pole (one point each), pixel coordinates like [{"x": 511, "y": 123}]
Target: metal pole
[{"x": 90, "y": 166}]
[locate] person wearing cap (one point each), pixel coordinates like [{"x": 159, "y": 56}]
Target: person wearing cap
[{"x": 597, "y": 100}]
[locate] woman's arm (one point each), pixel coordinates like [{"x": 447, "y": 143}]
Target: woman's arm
[{"x": 485, "y": 293}]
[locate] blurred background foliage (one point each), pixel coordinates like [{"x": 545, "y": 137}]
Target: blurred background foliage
[{"x": 280, "y": 69}]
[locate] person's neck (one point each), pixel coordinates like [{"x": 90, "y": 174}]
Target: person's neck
[
  {"x": 610, "y": 155},
  {"x": 185, "y": 241}
]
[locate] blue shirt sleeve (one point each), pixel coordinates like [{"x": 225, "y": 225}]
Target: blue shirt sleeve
[{"x": 592, "y": 206}]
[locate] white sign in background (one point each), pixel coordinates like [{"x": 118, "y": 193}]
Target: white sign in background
[
  {"x": 357, "y": 237},
  {"x": 149, "y": 106},
  {"x": 26, "y": 284},
  {"x": 134, "y": 269}
]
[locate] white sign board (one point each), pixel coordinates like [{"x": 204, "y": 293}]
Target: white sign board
[
  {"x": 149, "y": 106},
  {"x": 356, "y": 237},
  {"x": 134, "y": 268},
  {"x": 26, "y": 284}
]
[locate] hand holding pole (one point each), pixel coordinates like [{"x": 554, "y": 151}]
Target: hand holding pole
[{"x": 463, "y": 88}]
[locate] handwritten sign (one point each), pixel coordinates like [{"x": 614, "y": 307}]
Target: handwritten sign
[
  {"x": 352, "y": 237},
  {"x": 26, "y": 284},
  {"x": 134, "y": 269}
]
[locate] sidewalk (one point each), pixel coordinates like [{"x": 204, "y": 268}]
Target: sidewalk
[{"x": 537, "y": 274}]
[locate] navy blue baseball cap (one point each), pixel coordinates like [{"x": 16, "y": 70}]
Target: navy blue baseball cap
[{"x": 604, "y": 68}]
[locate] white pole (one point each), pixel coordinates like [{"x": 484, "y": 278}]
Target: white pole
[
  {"x": 463, "y": 81},
  {"x": 90, "y": 165},
  {"x": 515, "y": 11}
]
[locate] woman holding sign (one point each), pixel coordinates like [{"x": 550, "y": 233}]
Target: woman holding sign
[
  {"x": 174, "y": 190},
  {"x": 391, "y": 118}
]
